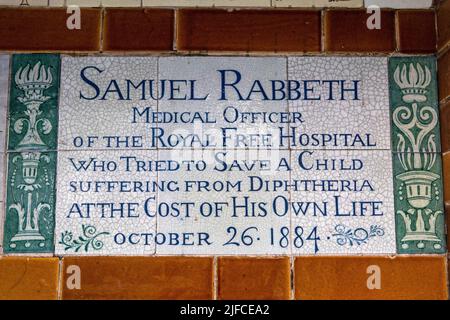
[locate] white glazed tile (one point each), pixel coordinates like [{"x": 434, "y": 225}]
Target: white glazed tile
[
  {"x": 206, "y": 3},
  {"x": 339, "y": 231},
  {"x": 241, "y": 3},
  {"x": 35, "y": 3},
  {"x": 206, "y": 72},
  {"x": 123, "y": 185},
  {"x": 293, "y": 3},
  {"x": 112, "y": 117},
  {"x": 84, "y": 3},
  {"x": 317, "y": 3},
  {"x": 56, "y": 3},
  {"x": 347, "y": 117},
  {"x": 4, "y": 85},
  {"x": 121, "y": 3},
  {"x": 400, "y": 4},
  {"x": 4, "y": 80},
  {"x": 177, "y": 3},
  {"x": 220, "y": 227},
  {"x": 103, "y": 118}
]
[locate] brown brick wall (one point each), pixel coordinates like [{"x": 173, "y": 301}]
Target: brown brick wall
[
  {"x": 219, "y": 30},
  {"x": 227, "y": 278}
]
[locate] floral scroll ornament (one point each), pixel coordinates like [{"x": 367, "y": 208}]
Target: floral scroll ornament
[
  {"x": 86, "y": 241},
  {"x": 347, "y": 236},
  {"x": 33, "y": 81},
  {"x": 416, "y": 149}
]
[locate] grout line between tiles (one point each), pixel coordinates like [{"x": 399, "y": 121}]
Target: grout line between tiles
[
  {"x": 175, "y": 30},
  {"x": 397, "y": 31},
  {"x": 60, "y": 279},
  {"x": 215, "y": 278},
  {"x": 102, "y": 28},
  {"x": 292, "y": 277}
]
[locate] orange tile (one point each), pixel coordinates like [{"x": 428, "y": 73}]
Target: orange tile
[
  {"x": 445, "y": 126},
  {"x": 443, "y": 23},
  {"x": 409, "y": 277},
  {"x": 45, "y": 29},
  {"x": 249, "y": 30},
  {"x": 444, "y": 76},
  {"x": 417, "y": 31},
  {"x": 138, "y": 278},
  {"x": 28, "y": 278},
  {"x": 346, "y": 31},
  {"x": 254, "y": 278},
  {"x": 447, "y": 215},
  {"x": 138, "y": 30}
]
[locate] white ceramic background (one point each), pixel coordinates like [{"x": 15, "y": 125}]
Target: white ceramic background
[
  {"x": 4, "y": 78},
  {"x": 104, "y": 189},
  {"x": 377, "y": 170},
  {"x": 368, "y": 115},
  {"x": 205, "y": 71},
  {"x": 218, "y": 227},
  {"x": 109, "y": 117},
  {"x": 400, "y": 4}
]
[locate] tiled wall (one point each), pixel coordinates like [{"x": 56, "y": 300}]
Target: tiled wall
[
  {"x": 218, "y": 31},
  {"x": 222, "y": 32},
  {"x": 223, "y": 3}
]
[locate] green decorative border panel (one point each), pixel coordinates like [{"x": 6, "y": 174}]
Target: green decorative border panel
[
  {"x": 33, "y": 121},
  {"x": 420, "y": 225},
  {"x": 33, "y": 100}
]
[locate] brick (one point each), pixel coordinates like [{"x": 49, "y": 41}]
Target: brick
[
  {"x": 346, "y": 31},
  {"x": 447, "y": 215},
  {"x": 249, "y": 30},
  {"x": 138, "y": 30},
  {"x": 417, "y": 31},
  {"x": 28, "y": 278},
  {"x": 443, "y": 23},
  {"x": 412, "y": 277},
  {"x": 446, "y": 175},
  {"x": 444, "y": 76},
  {"x": 141, "y": 278},
  {"x": 400, "y": 4},
  {"x": 254, "y": 278},
  {"x": 445, "y": 126},
  {"x": 44, "y": 29}
]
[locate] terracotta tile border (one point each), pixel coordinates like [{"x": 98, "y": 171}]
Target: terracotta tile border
[
  {"x": 87, "y": 41},
  {"x": 343, "y": 277}
]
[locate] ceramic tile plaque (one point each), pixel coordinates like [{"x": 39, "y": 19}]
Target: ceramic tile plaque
[{"x": 223, "y": 156}]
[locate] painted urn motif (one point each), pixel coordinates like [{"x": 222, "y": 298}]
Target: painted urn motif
[
  {"x": 416, "y": 149},
  {"x": 33, "y": 81}
]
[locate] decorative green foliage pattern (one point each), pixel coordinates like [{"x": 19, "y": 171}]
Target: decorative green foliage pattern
[
  {"x": 33, "y": 125},
  {"x": 86, "y": 241},
  {"x": 416, "y": 155}
]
